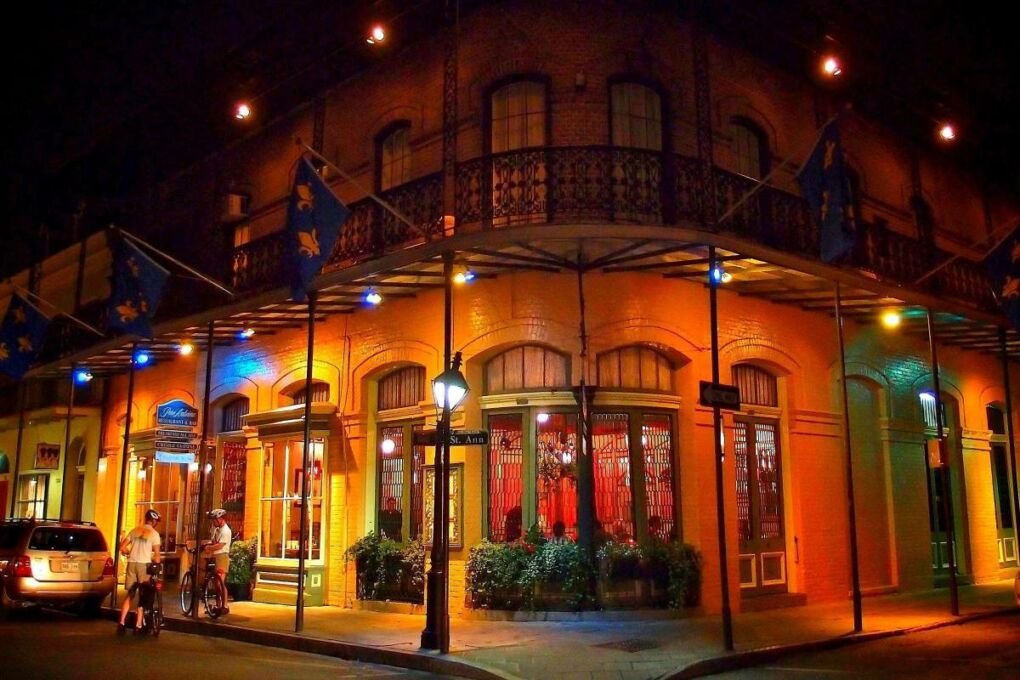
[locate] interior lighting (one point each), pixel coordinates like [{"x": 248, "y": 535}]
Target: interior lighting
[
  {"x": 542, "y": 418},
  {"x": 192, "y": 467},
  {"x": 141, "y": 358},
  {"x": 831, "y": 66},
  {"x": 186, "y": 349},
  {"x": 82, "y": 376},
  {"x": 891, "y": 319},
  {"x": 377, "y": 35},
  {"x": 208, "y": 468},
  {"x": 947, "y": 132},
  {"x": 242, "y": 111},
  {"x": 388, "y": 446},
  {"x": 373, "y": 297}
]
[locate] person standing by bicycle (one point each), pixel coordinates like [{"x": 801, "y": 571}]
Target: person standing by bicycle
[
  {"x": 218, "y": 549},
  {"x": 141, "y": 547}
]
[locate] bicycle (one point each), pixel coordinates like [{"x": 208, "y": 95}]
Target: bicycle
[
  {"x": 150, "y": 598},
  {"x": 213, "y": 597}
]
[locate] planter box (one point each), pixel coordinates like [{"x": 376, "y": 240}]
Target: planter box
[
  {"x": 622, "y": 594},
  {"x": 550, "y": 597},
  {"x": 501, "y": 600}
]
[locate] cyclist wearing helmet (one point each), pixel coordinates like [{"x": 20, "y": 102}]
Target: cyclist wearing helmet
[
  {"x": 219, "y": 549},
  {"x": 141, "y": 547}
]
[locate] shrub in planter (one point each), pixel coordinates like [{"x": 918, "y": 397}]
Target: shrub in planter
[
  {"x": 619, "y": 561},
  {"x": 494, "y": 572},
  {"x": 684, "y": 562},
  {"x": 386, "y": 570},
  {"x": 241, "y": 574},
  {"x": 558, "y": 575}
]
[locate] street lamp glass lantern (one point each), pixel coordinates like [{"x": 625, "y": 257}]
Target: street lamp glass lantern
[{"x": 449, "y": 389}]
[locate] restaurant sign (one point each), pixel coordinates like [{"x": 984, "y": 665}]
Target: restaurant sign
[{"x": 177, "y": 412}]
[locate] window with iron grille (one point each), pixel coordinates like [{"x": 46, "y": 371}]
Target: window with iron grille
[
  {"x": 400, "y": 476},
  {"x": 636, "y": 116},
  {"x": 403, "y": 387},
  {"x": 527, "y": 367},
  {"x": 233, "y": 413},
  {"x": 518, "y": 116},
  {"x": 635, "y": 368},
  {"x": 757, "y": 386},
  {"x": 320, "y": 393}
]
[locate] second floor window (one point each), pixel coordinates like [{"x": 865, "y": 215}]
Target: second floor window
[
  {"x": 636, "y": 116},
  {"x": 518, "y": 116},
  {"x": 749, "y": 150},
  {"x": 395, "y": 158}
]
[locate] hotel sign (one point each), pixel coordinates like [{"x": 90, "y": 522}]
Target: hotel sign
[{"x": 177, "y": 413}]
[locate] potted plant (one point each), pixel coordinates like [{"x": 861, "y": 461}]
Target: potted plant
[
  {"x": 241, "y": 575},
  {"x": 620, "y": 583}
]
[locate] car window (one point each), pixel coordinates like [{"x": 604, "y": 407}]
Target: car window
[
  {"x": 65, "y": 539},
  {"x": 9, "y": 535}
]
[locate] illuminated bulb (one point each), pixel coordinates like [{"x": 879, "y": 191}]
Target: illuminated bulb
[
  {"x": 891, "y": 319},
  {"x": 720, "y": 275},
  {"x": 373, "y": 297},
  {"x": 947, "y": 133},
  {"x": 208, "y": 468},
  {"x": 388, "y": 446},
  {"x": 567, "y": 458},
  {"x": 831, "y": 66},
  {"x": 141, "y": 474},
  {"x": 463, "y": 277},
  {"x": 141, "y": 358},
  {"x": 82, "y": 376},
  {"x": 242, "y": 111},
  {"x": 186, "y": 349},
  {"x": 102, "y": 465},
  {"x": 247, "y": 333},
  {"x": 192, "y": 467},
  {"x": 542, "y": 417},
  {"x": 377, "y": 35}
]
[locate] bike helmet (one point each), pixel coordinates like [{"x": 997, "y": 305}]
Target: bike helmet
[
  {"x": 151, "y": 515},
  {"x": 217, "y": 513}
]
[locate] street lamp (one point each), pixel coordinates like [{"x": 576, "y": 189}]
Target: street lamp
[{"x": 449, "y": 389}]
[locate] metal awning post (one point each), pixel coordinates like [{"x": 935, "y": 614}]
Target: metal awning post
[
  {"x": 299, "y": 612},
  {"x": 123, "y": 467},
  {"x": 22, "y": 388},
  {"x": 67, "y": 439},
  {"x": 200, "y": 501}
]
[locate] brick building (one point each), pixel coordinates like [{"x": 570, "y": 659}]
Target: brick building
[{"x": 593, "y": 147}]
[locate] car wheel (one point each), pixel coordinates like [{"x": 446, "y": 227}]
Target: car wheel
[{"x": 8, "y": 607}]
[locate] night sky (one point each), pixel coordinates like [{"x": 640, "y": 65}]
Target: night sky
[{"x": 105, "y": 97}]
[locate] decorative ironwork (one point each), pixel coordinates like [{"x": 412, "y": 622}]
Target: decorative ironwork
[
  {"x": 556, "y": 454},
  {"x": 235, "y": 465},
  {"x": 391, "y": 476},
  {"x": 613, "y": 490},
  {"x": 506, "y": 476},
  {"x": 657, "y": 449}
]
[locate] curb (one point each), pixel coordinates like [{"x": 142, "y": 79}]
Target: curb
[
  {"x": 431, "y": 662},
  {"x": 756, "y": 657}
]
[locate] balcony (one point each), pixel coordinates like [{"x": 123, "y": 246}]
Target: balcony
[{"x": 602, "y": 184}]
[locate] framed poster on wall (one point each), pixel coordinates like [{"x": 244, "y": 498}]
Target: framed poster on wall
[
  {"x": 456, "y": 504},
  {"x": 47, "y": 456}
]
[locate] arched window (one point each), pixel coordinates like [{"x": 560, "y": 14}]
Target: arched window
[
  {"x": 518, "y": 116},
  {"x": 527, "y": 367},
  {"x": 299, "y": 395},
  {"x": 400, "y": 463},
  {"x": 232, "y": 413},
  {"x": 757, "y": 386},
  {"x": 750, "y": 149},
  {"x": 635, "y": 368},
  {"x": 636, "y": 116},
  {"x": 394, "y": 154}
]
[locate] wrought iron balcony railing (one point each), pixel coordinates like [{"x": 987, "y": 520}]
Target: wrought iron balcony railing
[{"x": 603, "y": 184}]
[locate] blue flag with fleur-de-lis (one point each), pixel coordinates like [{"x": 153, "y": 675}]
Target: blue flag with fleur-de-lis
[
  {"x": 1003, "y": 267},
  {"x": 136, "y": 289},
  {"x": 314, "y": 218},
  {"x": 826, "y": 188},
  {"x": 21, "y": 336}
]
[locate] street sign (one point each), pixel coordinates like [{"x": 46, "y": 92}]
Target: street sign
[
  {"x": 719, "y": 395},
  {"x": 457, "y": 438},
  {"x": 175, "y": 446},
  {"x": 166, "y": 457},
  {"x": 176, "y": 435}
]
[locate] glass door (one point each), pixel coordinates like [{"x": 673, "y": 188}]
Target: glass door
[{"x": 282, "y": 479}]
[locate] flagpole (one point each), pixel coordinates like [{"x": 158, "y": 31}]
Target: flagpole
[
  {"x": 211, "y": 281},
  {"x": 299, "y": 613},
  {"x": 123, "y": 468},
  {"x": 67, "y": 440},
  {"x": 396, "y": 213},
  {"x": 57, "y": 310},
  {"x": 22, "y": 388},
  {"x": 855, "y": 573},
  {"x": 760, "y": 184},
  {"x": 948, "y": 261}
]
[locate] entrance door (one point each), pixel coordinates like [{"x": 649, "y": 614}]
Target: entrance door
[
  {"x": 937, "y": 518},
  {"x": 759, "y": 506}
]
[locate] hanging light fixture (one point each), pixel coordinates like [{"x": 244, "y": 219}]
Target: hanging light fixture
[
  {"x": 373, "y": 297},
  {"x": 242, "y": 111},
  {"x": 377, "y": 35}
]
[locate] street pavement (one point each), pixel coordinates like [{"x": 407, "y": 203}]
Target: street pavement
[
  {"x": 56, "y": 645},
  {"x": 599, "y": 649},
  {"x": 980, "y": 649}
]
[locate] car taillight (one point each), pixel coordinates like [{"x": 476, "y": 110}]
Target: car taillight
[
  {"x": 20, "y": 566},
  {"x": 108, "y": 567}
]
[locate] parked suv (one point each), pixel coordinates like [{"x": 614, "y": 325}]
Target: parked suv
[{"x": 54, "y": 563}]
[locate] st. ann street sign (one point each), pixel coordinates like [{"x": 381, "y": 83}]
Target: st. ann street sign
[
  {"x": 457, "y": 438},
  {"x": 719, "y": 395}
]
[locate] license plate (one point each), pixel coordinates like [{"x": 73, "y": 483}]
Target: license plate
[{"x": 69, "y": 565}]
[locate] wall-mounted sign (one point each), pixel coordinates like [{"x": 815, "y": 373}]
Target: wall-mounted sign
[
  {"x": 176, "y": 435},
  {"x": 175, "y": 446},
  {"x": 169, "y": 457},
  {"x": 177, "y": 412},
  {"x": 47, "y": 456},
  {"x": 456, "y": 488}
]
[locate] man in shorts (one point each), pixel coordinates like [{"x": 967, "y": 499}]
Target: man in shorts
[
  {"x": 219, "y": 549},
  {"x": 141, "y": 547}
]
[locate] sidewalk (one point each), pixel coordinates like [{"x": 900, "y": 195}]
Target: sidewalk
[{"x": 592, "y": 649}]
